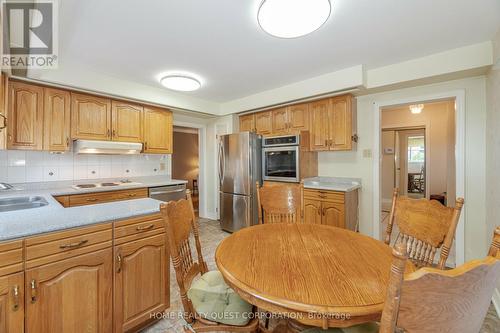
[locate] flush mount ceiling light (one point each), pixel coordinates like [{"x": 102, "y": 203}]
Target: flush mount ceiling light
[
  {"x": 292, "y": 18},
  {"x": 180, "y": 82},
  {"x": 416, "y": 108}
]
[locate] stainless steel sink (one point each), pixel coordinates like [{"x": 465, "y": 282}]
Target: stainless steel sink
[{"x": 20, "y": 203}]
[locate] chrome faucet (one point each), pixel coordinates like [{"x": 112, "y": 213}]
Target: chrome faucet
[{"x": 5, "y": 186}]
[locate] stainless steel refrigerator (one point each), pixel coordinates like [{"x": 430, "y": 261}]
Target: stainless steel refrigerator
[{"x": 239, "y": 170}]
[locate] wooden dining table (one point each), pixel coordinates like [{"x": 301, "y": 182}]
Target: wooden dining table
[{"x": 314, "y": 275}]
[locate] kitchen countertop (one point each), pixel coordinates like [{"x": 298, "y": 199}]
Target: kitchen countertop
[
  {"x": 54, "y": 217},
  {"x": 333, "y": 183}
]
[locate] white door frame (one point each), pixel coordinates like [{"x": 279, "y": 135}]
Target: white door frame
[
  {"x": 202, "y": 133},
  {"x": 459, "y": 96}
]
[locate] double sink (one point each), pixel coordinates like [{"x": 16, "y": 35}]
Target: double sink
[{"x": 21, "y": 203}]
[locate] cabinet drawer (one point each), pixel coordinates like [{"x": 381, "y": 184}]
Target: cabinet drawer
[
  {"x": 61, "y": 245},
  {"x": 139, "y": 227},
  {"x": 324, "y": 195},
  {"x": 102, "y": 197},
  {"x": 11, "y": 257}
]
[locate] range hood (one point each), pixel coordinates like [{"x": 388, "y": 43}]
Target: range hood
[{"x": 106, "y": 147}]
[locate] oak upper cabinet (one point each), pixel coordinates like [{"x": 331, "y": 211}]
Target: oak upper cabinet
[
  {"x": 247, "y": 123},
  {"x": 263, "y": 123},
  {"x": 25, "y": 116},
  {"x": 56, "y": 111},
  {"x": 158, "y": 131},
  {"x": 90, "y": 117},
  {"x": 12, "y": 303},
  {"x": 3, "y": 110},
  {"x": 298, "y": 117},
  {"x": 127, "y": 122},
  {"x": 319, "y": 127},
  {"x": 141, "y": 281},
  {"x": 280, "y": 121},
  {"x": 342, "y": 123},
  {"x": 71, "y": 295}
]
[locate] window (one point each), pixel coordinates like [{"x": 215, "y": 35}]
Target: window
[{"x": 416, "y": 149}]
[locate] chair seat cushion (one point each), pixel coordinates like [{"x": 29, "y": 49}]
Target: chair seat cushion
[
  {"x": 363, "y": 328},
  {"x": 214, "y": 300}
]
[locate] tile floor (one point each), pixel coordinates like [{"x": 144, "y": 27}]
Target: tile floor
[{"x": 211, "y": 235}]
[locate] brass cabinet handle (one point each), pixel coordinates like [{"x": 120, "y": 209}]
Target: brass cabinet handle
[
  {"x": 67, "y": 141},
  {"x": 324, "y": 211},
  {"x": 114, "y": 133},
  {"x": 92, "y": 199},
  {"x": 33, "y": 291},
  {"x": 15, "y": 294},
  {"x": 4, "y": 122},
  {"x": 146, "y": 227},
  {"x": 355, "y": 138},
  {"x": 108, "y": 133},
  {"x": 132, "y": 194},
  {"x": 74, "y": 245},
  {"x": 145, "y": 145},
  {"x": 119, "y": 262}
]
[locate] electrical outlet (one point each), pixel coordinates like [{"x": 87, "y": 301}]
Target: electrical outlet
[{"x": 162, "y": 166}]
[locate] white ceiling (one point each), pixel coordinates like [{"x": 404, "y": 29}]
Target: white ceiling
[{"x": 221, "y": 41}]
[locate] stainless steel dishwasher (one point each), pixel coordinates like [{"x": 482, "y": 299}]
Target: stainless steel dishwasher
[{"x": 168, "y": 193}]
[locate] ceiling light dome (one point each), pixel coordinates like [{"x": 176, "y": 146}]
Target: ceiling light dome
[
  {"x": 292, "y": 18},
  {"x": 180, "y": 82}
]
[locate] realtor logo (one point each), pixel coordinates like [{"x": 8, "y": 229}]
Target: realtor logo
[{"x": 29, "y": 34}]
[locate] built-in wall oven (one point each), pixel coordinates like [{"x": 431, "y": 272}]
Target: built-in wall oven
[{"x": 280, "y": 158}]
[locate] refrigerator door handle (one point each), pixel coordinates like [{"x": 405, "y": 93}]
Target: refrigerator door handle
[{"x": 221, "y": 162}]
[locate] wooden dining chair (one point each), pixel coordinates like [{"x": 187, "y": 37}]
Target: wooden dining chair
[
  {"x": 205, "y": 296},
  {"x": 434, "y": 300},
  {"x": 279, "y": 203},
  {"x": 425, "y": 226}
]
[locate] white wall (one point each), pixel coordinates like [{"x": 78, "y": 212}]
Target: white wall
[
  {"x": 353, "y": 164},
  {"x": 17, "y": 166}
]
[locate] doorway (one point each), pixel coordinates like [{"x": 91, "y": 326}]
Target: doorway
[
  {"x": 186, "y": 160},
  {"x": 418, "y": 155}
]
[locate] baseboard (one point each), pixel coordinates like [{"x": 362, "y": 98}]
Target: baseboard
[
  {"x": 210, "y": 216},
  {"x": 496, "y": 300}
]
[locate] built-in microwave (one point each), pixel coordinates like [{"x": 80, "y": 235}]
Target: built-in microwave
[{"x": 280, "y": 158}]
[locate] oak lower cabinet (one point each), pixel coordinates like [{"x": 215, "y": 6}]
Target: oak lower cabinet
[
  {"x": 71, "y": 295},
  {"x": 141, "y": 282},
  {"x": 12, "y": 303},
  {"x": 158, "y": 131},
  {"x": 337, "y": 209}
]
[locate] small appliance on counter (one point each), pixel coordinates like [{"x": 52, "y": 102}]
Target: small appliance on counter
[
  {"x": 239, "y": 170},
  {"x": 288, "y": 158}
]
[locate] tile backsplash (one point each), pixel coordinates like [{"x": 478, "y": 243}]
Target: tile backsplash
[{"x": 17, "y": 166}]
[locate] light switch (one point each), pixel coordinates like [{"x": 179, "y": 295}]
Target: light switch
[{"x": 367, "y": 153}]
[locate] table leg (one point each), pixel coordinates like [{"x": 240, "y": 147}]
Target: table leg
[{"x": 294, "y": 326}]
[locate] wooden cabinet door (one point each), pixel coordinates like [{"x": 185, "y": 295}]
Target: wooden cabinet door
[
  {"x": 141, "y": 282},
  {"x": 264, "y": 123},
  {"x": 247, "y": 123},
  {"x": 12, "y": 303},
  {"x": 333, "y": 214},
  {"x": 319, "y": 128},
  {"x": 298, "y": 117},
  {"x": 56, "y": 123},
  {"x": 90, "y": 117},
  {"x": 126, "y": 122},
  {"x": 3, "y": 110},
  {"x": 312, "y": 211},
  {"x": 25, "y": 117},
  {"x": 280, "y": 121},
  {"x": 158, "y": 131},
  {"x": 72, "y": 295},
  {"x": 341, "y": 123}
]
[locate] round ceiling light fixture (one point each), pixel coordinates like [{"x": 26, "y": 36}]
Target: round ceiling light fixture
[
  {"x": 180, "y": 82},
  {"x": 416, "y": 108},
  {"x": 292, "y": 18}
]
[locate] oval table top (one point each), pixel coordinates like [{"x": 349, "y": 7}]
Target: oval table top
[{"x": 318, "y": 275}]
